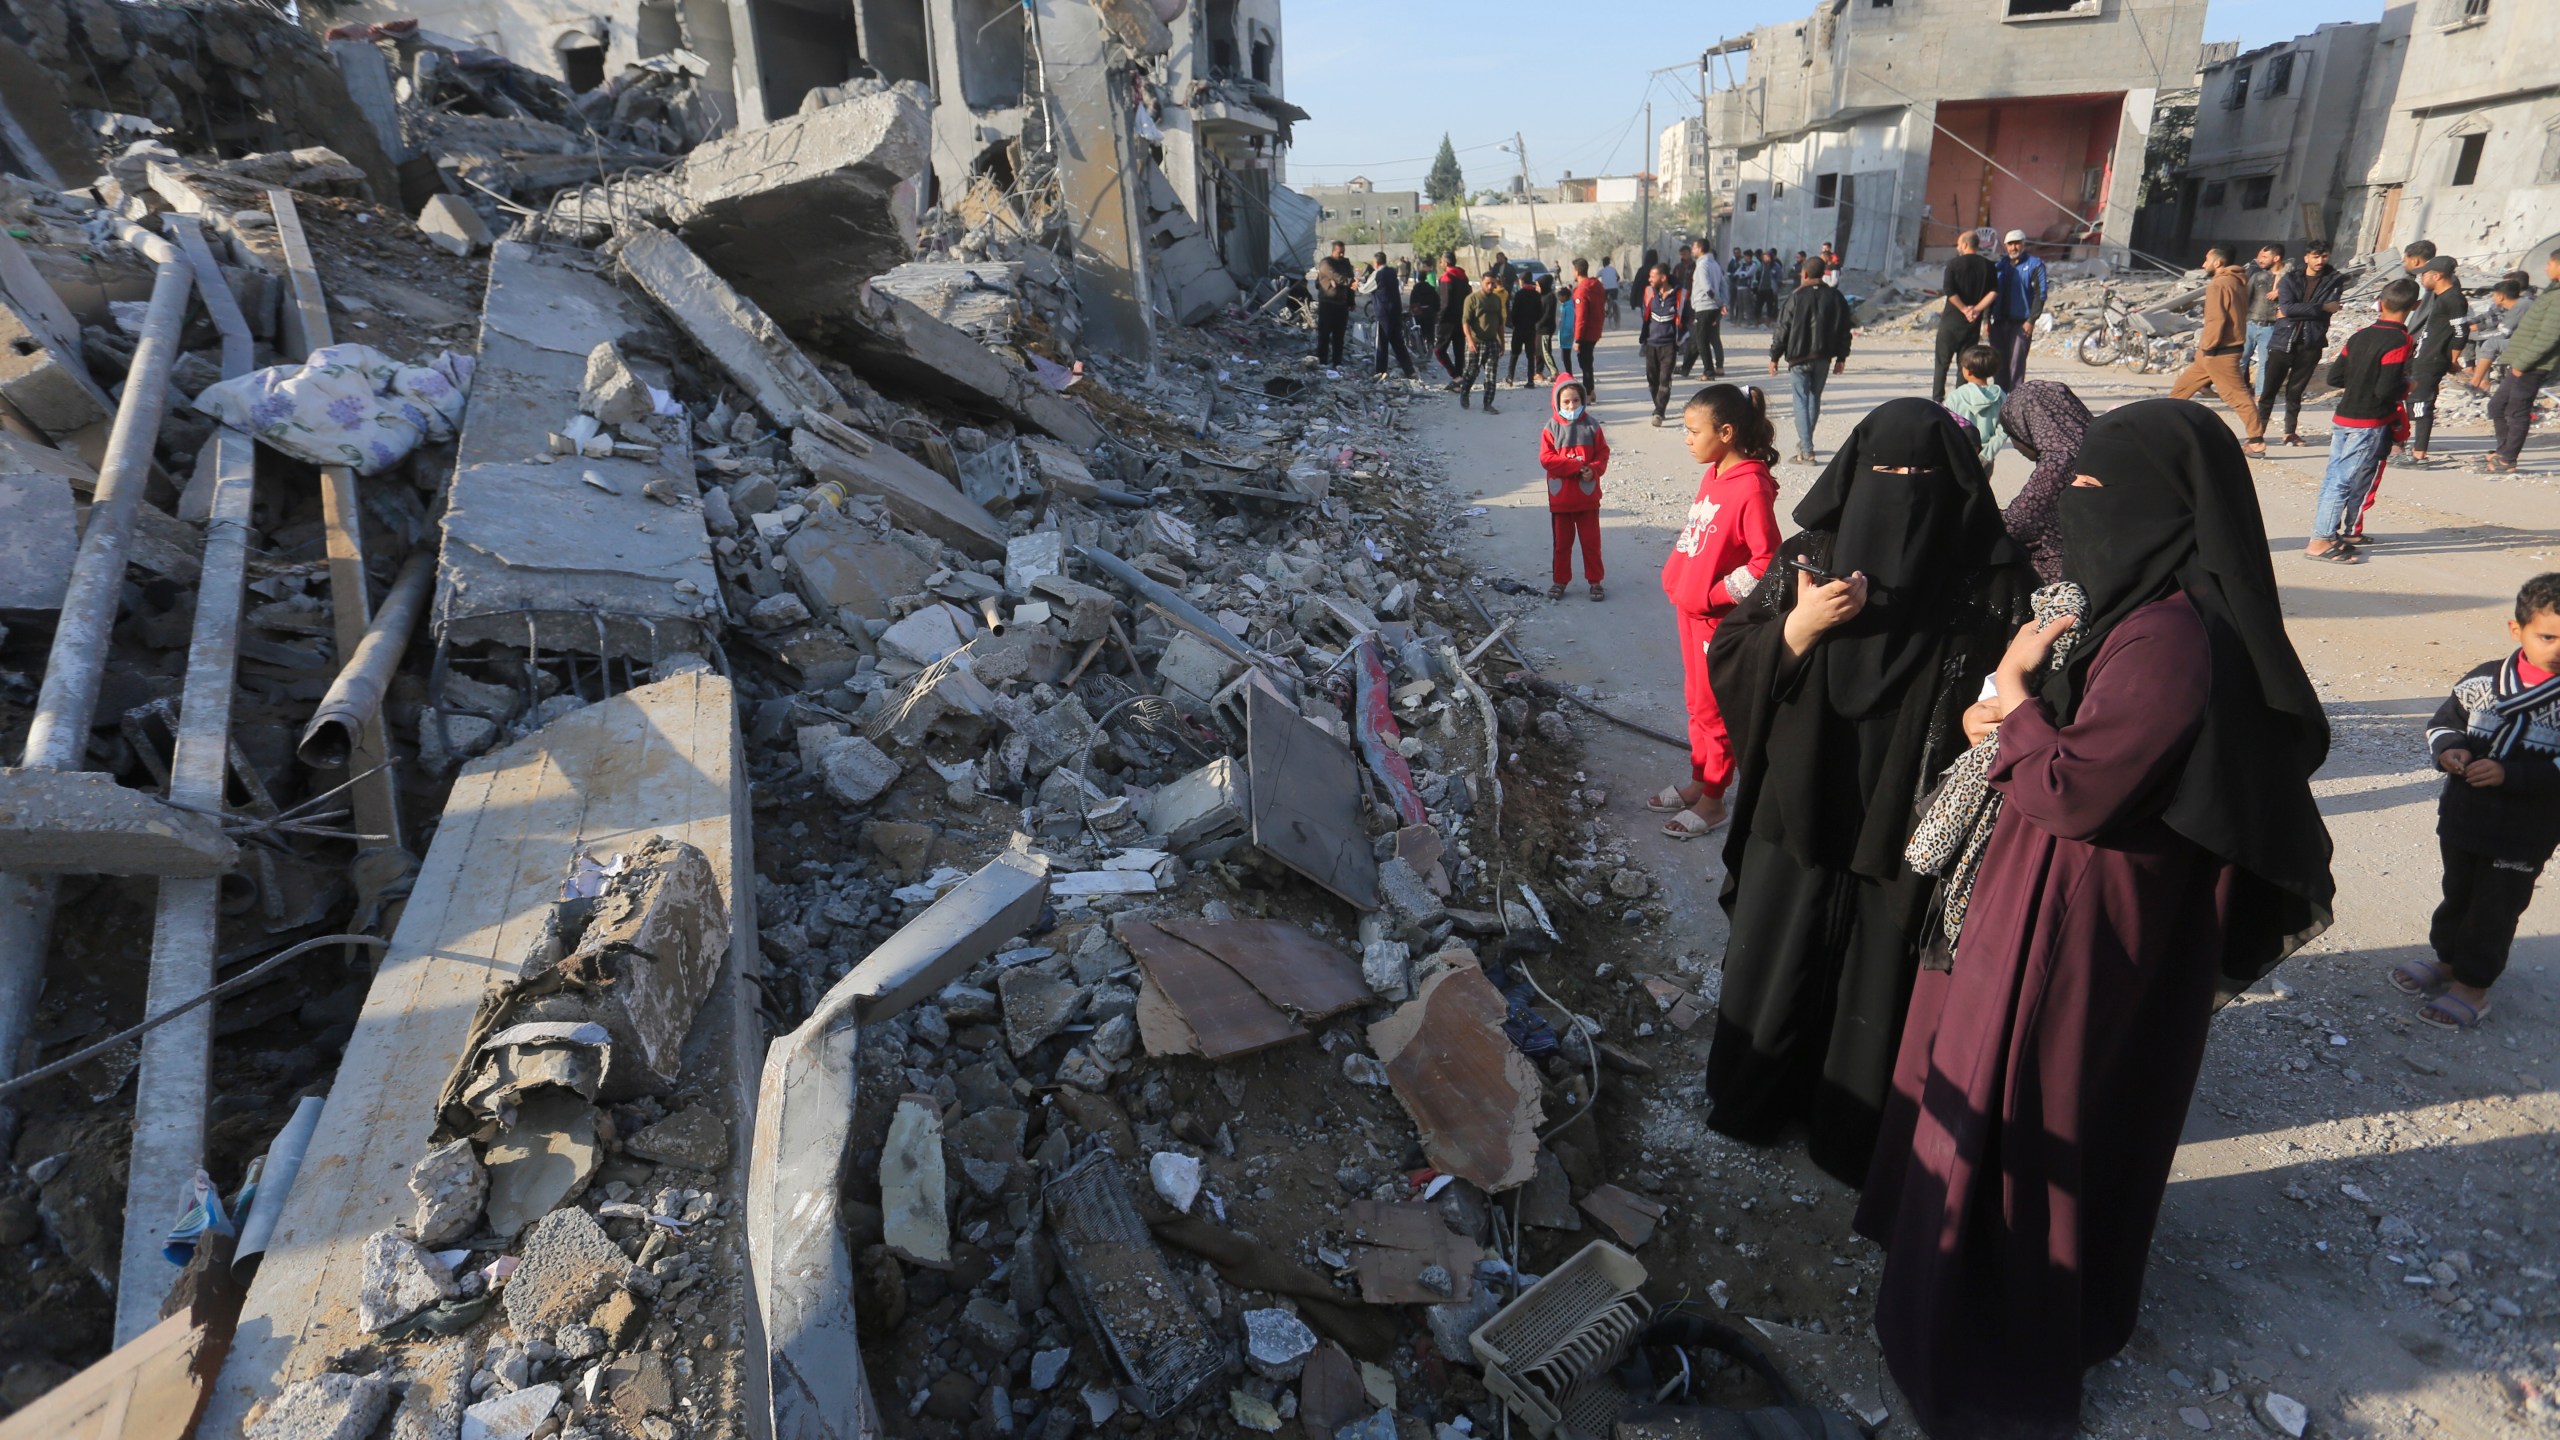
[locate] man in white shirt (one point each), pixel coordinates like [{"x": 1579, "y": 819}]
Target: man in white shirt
[
  {"x": 1609, "y": 283},
  {"x": 1708, "y": 295}
]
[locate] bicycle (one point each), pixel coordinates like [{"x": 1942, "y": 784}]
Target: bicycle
[{"x": 2134, "y": 338}]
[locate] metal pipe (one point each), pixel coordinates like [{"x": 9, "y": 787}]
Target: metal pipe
[
  {"x": 355, "y": 697},
  {"x": 173, "y": 1088},
  {"x": 1183, "y": 613},
  {"x": 58, "y": 738}
]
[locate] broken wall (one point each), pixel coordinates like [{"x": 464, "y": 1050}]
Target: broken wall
[{"x": 593, "y": 41}]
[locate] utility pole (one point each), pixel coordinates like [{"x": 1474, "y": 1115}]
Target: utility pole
[
  {"x": 1527, "y": 192},
  {"x": 1706, "y": 196},
  {"x": 1644, "y": 187}
]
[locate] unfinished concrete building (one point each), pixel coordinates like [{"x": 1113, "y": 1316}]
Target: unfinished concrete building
[
  {"x": 1886, "y": 128},
  {"x": 1170, "y": 163},
  {"x": 2278, "y": 141},
  {"x": 2467, "y": 153}
]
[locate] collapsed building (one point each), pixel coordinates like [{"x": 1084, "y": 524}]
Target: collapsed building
[
  {"x": 670, "y": 792},
  {"x": 1883, "y": 130}
]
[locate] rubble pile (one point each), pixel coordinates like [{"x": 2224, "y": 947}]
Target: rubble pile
[{"x": 1130, "y": 717}]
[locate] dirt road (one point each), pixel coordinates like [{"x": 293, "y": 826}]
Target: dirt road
[{"x": 2361, "y": 1215}]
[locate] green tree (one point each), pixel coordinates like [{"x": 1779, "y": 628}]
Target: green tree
[
  {"x": 1446, "y": 185},
  {"x": 1439, "y": 230},
  {"x": 2164, "y": 153}
]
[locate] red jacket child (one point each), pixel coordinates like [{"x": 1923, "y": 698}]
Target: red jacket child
[
  {"x": 1574, "y": 452},
  {"x": 1723, "y": 554}
]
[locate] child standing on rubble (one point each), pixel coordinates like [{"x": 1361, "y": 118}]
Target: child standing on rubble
[
  {"x": 1574, "y": 452},
  {"x": 1721, "y": 556}
]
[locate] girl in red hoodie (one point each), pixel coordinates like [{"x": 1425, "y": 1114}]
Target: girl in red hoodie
[
  {"x": 1575, "y": 454},
  {"x": 1723, "y": 553}
]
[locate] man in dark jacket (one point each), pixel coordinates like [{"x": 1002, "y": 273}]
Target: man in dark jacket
[
  {"x": 2440, "y": 326},
  {"x": 2306, "y": 297},
  {"x": 1423, "y": 304},
  {"x": 2264, "y": 274},
  {"x": 2372, "y": 376},
  {"x": 1336, "y": 283},
  {"x": 1658, "y": 333},
  {"x": 1810, "y": 337},
  {"x": 1528, "y": 311},
  {"x": 1387, "y": 308},
  {"x": 1971, "y": 284},
  {"x": 2532, "y": 354}
]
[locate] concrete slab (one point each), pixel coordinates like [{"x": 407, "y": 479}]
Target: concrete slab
[
  {"x": 45, "y": 382},
  {"x": 1095, "y": 169},
  {"x": 917, "y": 498},
  {"x": 732, "y": 327},
  {"x": 799, "y": 213},
  {"x": 81, "y": 822},
  {"x": 894, "y": 341},
  {"x": 39, "y": 535},
  {"x": 660, "y": 759},
  {"x": 597, "y": 565}
]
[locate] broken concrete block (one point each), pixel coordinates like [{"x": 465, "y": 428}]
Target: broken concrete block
[
  {"x": 741, "y": 337},
  {"x": 1057, "y": 735},
  {"x": 695, "y": 1138},
  {"x": 1176, "y": 1177},
  {"x": 39, "y": 537},
  {"x": 567, "y": 1267},
  {"x": 612, "y": 393},
  {"x": 837, "y": 565},
  {"x": 452, "y": 226},
  {"x": 51, "y": 388},
  {"x": 83, "y": 822},
  {"x": 956, "y": 932},
  {"x": 915, "y": 496},
  {"x": 327, "y": 1406},
  {"x": 925, "y": 636},
  {"x": 657, "y": 937},
  {"x": 1036, "y": 1006},
  {"x": 1473, "y": 1096},
  {"x": 981, "y": 299},
  {"x": 439, "y": 1383},
  {"x": 1277, "y": 1343},
  {"x": 856, "y": 771},
  {"x": 914, "y": 1205},
  {"x": 400, "y": 1279},
  {"x": 943, "y": 699},
  {"x": 451, "y": 1186},
  {"x": 800, "y": 213},
  {"x": 542, "y": 1161},
  {"x": 512, "y": 1416},
  {"x": 1208, "y": 804},
  {"x": 1026, "y": 558},
  {"x": 1387, "y": 966},
  {"x": 895, "y": 341},
  {"x": 1407, "y": 897},
  {"x": 1193, "y": 671},
  {"x": 445, "y": 739},
  {"x": 521, "y": 537},
  {"x": 778, "y": 612}
]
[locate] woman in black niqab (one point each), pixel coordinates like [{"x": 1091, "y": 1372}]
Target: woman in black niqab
[
  {"x": 2156, "y": 845},
  {"x": 1834, "y": 740}
]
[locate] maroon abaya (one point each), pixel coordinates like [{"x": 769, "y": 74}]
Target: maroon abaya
[{"x": 2042, "y": 1081}]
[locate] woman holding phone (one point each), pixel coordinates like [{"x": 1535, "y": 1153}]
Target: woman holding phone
[{"x": 1844, "y": 690}]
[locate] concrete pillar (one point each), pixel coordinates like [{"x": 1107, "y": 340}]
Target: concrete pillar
[
  {"x": 1919, "y": 141},
  {"x": 1095, "y": 169},
  {"x": 2124, "y": 176}
]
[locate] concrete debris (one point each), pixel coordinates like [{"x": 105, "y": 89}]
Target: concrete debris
[
  {"x": 1176, "y": 1177},
  {"x": 728, "y": 325},
  {"x": 567, "y": 1271},
  {"x": 541, "y": 1161},
  {"x": 400, "y": 1279},
  {"x": 1474, "y": 1096},
  {"x": 893, "y": 341},
  {"x": 513, "y": 1416},
  {"x": 327, "y": 1406},
  {"x": 916, "y": 1222},
  {"x": 39, "y": 535},
  {"x": 451, "y": 225},
  {"x": 450, "y": 1185},
  {"x": 1277, "y": 1344},
  {"x": 694, "y": 1138},
  {"x": 83, "y": 822},
  {"x": 856, "y": 770}
]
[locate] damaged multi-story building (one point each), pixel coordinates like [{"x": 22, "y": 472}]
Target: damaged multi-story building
[
  {"x": 1885, "y": 128},
  {"x": 1170, "y": 163}
]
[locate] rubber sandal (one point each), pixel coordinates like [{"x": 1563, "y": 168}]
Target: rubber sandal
[
  {"x": 2335, "y": 555},
  {"x": 1597, "y": 593},
  {"x": 2419, "y": 979},
  {"x": 1688, "y": 824},
  {"x": 2435, "y": 1013},
  {"x": 1555, "y": 592},
  {"x": 1666, "y": 800}
]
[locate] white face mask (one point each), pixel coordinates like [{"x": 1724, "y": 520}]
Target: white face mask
[{"x": 1570, "y": 413}]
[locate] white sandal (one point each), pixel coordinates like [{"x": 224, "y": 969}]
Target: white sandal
[{"x": 1666, "y": 800}]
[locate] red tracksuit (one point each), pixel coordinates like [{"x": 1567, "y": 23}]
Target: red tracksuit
[
  {"x": 1573, "y": 502},
  {"x": 1726, "y": 549}
]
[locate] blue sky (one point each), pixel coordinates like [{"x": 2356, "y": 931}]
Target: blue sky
[{"x": 1384, "y": 81}]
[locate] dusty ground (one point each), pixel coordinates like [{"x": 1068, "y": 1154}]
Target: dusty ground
[{"x": 2353, "y": 1220}]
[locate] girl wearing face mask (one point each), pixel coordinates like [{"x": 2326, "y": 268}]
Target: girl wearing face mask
[
  {"x": 1723, "y": 555},
  {"x": 1575, "y": 454}
]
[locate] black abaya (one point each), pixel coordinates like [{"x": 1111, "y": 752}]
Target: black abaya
[{"x": 1826, "y": 922}]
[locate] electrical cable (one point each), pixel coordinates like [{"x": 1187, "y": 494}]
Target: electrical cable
[{"x": 236, "y": 982}]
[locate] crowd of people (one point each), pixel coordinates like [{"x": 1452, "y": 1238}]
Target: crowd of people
[{"x": 2015, "y": 797}]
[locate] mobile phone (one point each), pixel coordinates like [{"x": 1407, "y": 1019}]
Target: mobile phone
[{"x": 1816, "y": 571}]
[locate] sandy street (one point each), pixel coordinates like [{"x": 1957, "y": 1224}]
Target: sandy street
[{"x": 2361, "y": 1215}]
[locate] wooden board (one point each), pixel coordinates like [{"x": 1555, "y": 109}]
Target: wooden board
[
  {"x": 147, "y": 1389},
  {"x": 1472, "y": 1094},
  {"x": 1305, "y": 790},
  {"x": 1227, "y": 1016},
  {"x": 660, "y": 759}
]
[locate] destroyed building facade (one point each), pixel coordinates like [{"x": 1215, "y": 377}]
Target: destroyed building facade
[
  {"x": 1885, "y": 129},
  {"x": 2284, "y": 136},
  {"x": 2467, "y": 153}
]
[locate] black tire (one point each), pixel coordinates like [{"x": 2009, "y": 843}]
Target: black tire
[{"x": 2098, "y": 348}]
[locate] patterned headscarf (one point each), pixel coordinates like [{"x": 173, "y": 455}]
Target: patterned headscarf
[{"x": 2045, "y": 421}]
